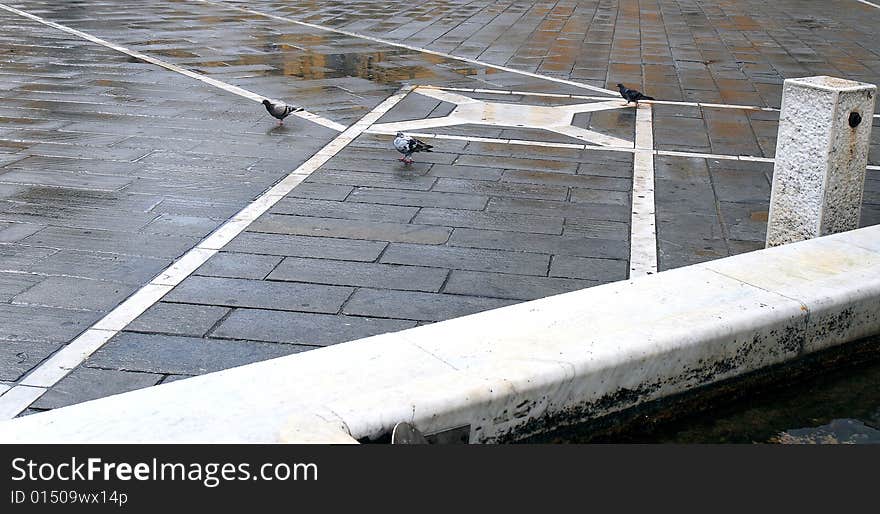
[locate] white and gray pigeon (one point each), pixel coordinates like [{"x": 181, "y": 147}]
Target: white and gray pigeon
[
  {"x": 631, "y": 95},
  {"x": 280, "y": 110},
  {"x": 408, "y": 145}
]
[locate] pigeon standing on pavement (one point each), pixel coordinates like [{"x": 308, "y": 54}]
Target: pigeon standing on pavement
[
  {"x": 280, "y": 110},
  {"x": 631, "y": 95},
  {"x": 408, "y": 145}
]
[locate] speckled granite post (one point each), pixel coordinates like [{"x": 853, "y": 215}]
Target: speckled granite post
[{"x": 821, "y": 155}]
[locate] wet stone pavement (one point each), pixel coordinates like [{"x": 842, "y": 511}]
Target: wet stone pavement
[{"x": 111, "y": 167}]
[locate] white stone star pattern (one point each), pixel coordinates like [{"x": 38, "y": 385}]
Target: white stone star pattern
[{"x": 473, "y": 111}]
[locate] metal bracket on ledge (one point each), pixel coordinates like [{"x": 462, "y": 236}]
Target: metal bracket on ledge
[{"x": 405, "y": 433}]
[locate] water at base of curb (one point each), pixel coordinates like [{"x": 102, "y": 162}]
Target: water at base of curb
[{"x": 831, "y": 399}]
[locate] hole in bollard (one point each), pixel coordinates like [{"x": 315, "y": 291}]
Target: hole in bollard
[{"x": 854, "y": 119}]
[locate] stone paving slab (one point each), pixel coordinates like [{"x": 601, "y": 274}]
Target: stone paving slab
[
  {"x": 151, "y": 353},
  {"x": 111, "y": 168},
  {"x": 86, "y": 384},
  {"x": 179, "y": 319},
  {"x": 303, "y": 328}
]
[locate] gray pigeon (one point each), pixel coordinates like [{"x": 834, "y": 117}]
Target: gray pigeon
[
  {"x": 631, "y": 95},
  {"x": 408, "y": 145},
  {"x": 280, "y": 110}
]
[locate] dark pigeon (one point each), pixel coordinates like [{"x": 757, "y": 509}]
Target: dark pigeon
[
  {"x": 408, "y": 145},
  {"x": 280, "y": 110},
  {"x": 631, "y": 95}
]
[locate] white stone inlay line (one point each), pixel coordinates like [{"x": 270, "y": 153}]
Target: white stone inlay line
[
  {"x": 869, "y": 3},
  {"x": 47, "y": 374},
  {"x": 643, "y": 224},
  {"x": 581, "y": 97},
  {"x": 550, "y": 144},
  {"x": 13, "y": 399},
  {"x": 557, "y": 119},
  {"x": 320, "y": 120},
  {"x": 411, "y": 47}
]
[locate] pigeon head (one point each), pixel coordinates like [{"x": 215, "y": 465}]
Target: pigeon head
[
  {"x": 620, "y": 86},
  {"x": 400, "y": 134},
  {"x": 266, "y": 102}
]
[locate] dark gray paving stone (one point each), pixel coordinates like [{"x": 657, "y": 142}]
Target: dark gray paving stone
[
  {"x": 401, "y": 180},
  {"x": 388, "y": 166},
  {"x": 110, "y": 214},
  {"x": 304, "y": 246},
  {"x": 19, "y": 357},
  {"x": 239, "y": 265},
  {"x": 680, "y": 133},
  {"x": 688, "y": 169},
  {"x": 33, "y": 323},
  {"x": 128, "y": 269},
  {"x": 568, "y": 244},
  {"x": 75, "y": 293},
  {"x": 178, "y": 319},
  {"x": 350, "y": 229},
  {"x": 12, "y": 284},
  {"x": 582, "y": 195},
  {"x": 745, "y": 221},
  {"x": 234, "y": 292},
  {"x": 737, "y": 247},
  {"x": 347, "y": 273},
  {"x": 465, "y": 172},
  {"x": 606, "y": 169},
  {"x": 514, "y": 287},
  {"x": 63, "y": 179},
  {"x": 568, "y": 210},
  {"x": 560, "y": 167},
  {"x": 490, "y": 220},
  {"x": 345, "y": 210},
  {"x": 21, "y": 257},
  {"x": 112, "y": 242},
  {"x": 175, "y": 224},
  {"x": 28, "y": 412},
  {"x": 417, "y": 306},
  {"x": 93, "y": 164},
  {"x": 598, "y": 229},
  {"x": 190, "y": 206},
  {"x": 84, "y": 146},
  {"x": 419, "y": 198},
  {"x": 688, "y": 227},
  {"x": 741, "y": 186},
  {"x": 318, "y": 191},
  {"x": 561, "y": 179},
  {"x": 302, "y": 328},
  {"x": 151, "y": 353},
  {"x": 675, "y": 254},
  {"x": 599, "y": 270},
  {"x": 174, "y": 378},
  {"x": 13, "y": 232},
  {"x": 682, "y": 197},
  {"x": 467, "y": 258},
  {"x": 84, "y": 384},
  {"x": 482, "y": 187}
]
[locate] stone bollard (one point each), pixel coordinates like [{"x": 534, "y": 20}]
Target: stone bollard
[{"x": 821, "y": 155}]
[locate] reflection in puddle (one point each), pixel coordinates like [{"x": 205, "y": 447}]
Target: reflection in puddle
[{"x": 377, "y": 67}]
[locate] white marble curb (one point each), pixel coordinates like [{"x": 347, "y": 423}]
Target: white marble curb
[{"x": 515, "y": 371}]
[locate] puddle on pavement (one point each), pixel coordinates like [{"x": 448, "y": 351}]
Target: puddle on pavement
[{"x": 375, "y": 66}]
